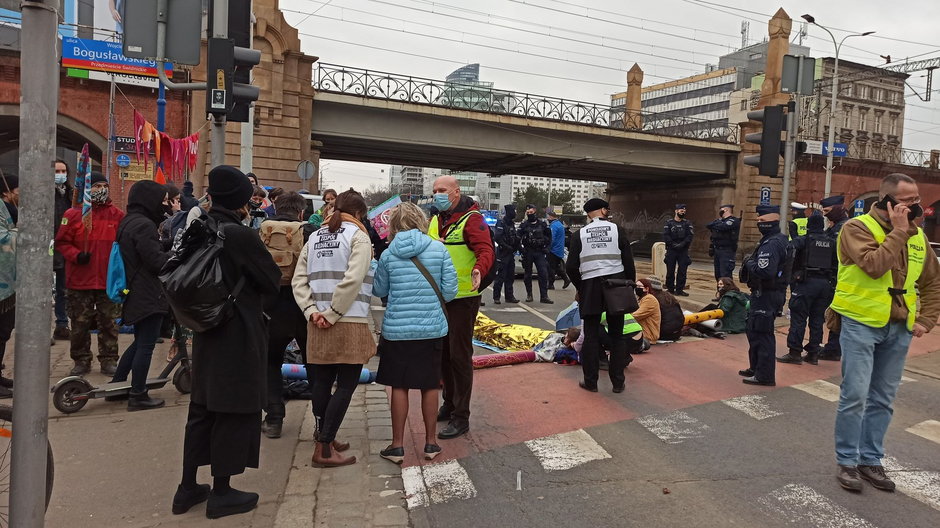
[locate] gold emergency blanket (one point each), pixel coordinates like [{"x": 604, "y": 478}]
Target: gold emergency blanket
[
  {"x": 703, "y": 316},
  {"x": 507, "y": 336}
]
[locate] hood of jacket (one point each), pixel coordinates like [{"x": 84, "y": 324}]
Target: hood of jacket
[
  {"x": 510, "y": 212},
  {"x": 411, "y": 243},
  {"x": 815, "y": 224},
  {"x": 146, "y": 198}
]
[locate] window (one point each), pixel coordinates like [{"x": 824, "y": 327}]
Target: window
[
  {"x": 847, "y": 116},
  {"x": 863, "y": 119},
  {"x": 743, "y": 104},
  {"x": 893, "y": 126},
  {"x": 849, "y": 90},
  {"x": 877, "y": 127},
  {"x": 863, "y": 92},
  {"x": 878, "y": 94}
]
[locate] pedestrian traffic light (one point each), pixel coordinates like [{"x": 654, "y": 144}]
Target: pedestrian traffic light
[
  {"x": 771, "y": 146},
  {"x": 243, "y": 93},
  {"x": 230, "y": 62}
]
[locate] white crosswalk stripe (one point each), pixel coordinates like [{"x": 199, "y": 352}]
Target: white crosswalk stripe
[
  {"x": 913, "y": 482},
  {"x": 436, "y": 483},
  {"x": 820, "y": 389},
  {"x": 905, "y": 379},
  {"x": 801, "y": 505},
  {"x": 566, "y": 450},
  {"x": 929, "y": 429},
  {"x": 753, "y": 405},
  {"x": 675, "y": 427}
]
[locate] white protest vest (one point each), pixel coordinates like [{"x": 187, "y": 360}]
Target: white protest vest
[
  {"x": 600, "y": 249},
  {"x": 327, "y": 261}
]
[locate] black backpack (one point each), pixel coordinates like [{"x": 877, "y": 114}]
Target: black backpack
[{"x": 193, "y": 281}]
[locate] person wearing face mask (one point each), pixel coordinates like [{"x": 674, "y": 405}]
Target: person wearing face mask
[
  {"x": 798, "y": 224},
  {"x": 888, "y": 291},
  {"x": 724, "y": 241},
  {"x": 814, "y": 269},
  {"x": 86, "y": 253},
  {"x": 536, "y": 237},
  {"x": 834, "y": 211},
  {"x": 223, "y": 429},
  {"x": 9, "y": 215},
  {"x": 600, "y": 252},
  {"x": 145, "y": 305},
  {"x": 648, "y": 315},
  {"x": 677, "y": 234},
  {"x": 507, "y": 243},
  {"x": 63, "y": 201},
  {"x": 256, "y": 213},
  {"x": 765, "y": 274},
  {"x": 463, "y": 230}
]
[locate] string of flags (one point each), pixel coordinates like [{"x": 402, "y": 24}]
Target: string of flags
[{"x": 174, "y": 156}]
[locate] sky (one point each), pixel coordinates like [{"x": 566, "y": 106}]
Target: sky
[{"x": 581, "y": 49}]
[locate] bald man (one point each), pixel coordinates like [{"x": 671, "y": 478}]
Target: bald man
[{"x": 460, "y": 225}]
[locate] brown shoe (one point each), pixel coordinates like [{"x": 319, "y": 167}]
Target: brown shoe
[
  {"x": 340, "y": 446},
  {"x": 326, "y": 457}
]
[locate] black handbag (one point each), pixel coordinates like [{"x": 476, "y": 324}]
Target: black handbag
[{"x": 620, "y": 296}]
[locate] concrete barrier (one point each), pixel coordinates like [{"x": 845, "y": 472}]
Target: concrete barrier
[{"x": 658, "y": 258}]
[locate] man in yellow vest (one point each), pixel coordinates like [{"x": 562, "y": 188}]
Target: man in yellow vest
[
  {"x": 461, "y": 227},
  {"x": 798, "y": 224},
  {"x": 884, "y": 262}
]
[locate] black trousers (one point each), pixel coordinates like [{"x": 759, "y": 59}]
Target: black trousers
[
  {"x": 677, "y": 262},
  {"x": 724, "y": 263},
  {"x": 591, "y": 349},
  {"x": 287, "y": 323},
  {"x": 538, "y": 258},
  {"x": 329, "y": 407},
  {"x": 556, "y": 268},
  {"x": 457, "y": 361},
  {"x": 229, "y": 442},
  {"x": 7, "y": 323},
  {"x": 505, "y": 275},
  {"x": 808, "y": 302},
  {"x": 762, "y": 348}
]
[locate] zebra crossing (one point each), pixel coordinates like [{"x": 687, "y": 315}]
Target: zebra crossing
[{"x": 800, "y": 503}]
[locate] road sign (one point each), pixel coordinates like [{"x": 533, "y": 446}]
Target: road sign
[
  {"x": 814, "y": 146},
  {"x": 183, "y": 30},
  {"x": 859, "y": 207},
  {"x": 840, "y": 151},
  {"x": 122, "y": 160},
  {"x": 305, "y": 170},
  {"x": 791, "y": 67},
  {"x": 99, "y": 55},
  {"x": 765, "y": 195}
]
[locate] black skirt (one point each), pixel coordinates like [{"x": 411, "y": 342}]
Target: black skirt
[{"x": 412, "y": 364}]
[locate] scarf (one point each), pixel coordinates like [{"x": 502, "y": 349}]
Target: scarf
[{"x": 348, "y": 218}]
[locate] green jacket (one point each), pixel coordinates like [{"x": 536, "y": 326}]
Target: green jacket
[
  {"x": 734, "y": 304},
  {"x": 7, "y": 254}
]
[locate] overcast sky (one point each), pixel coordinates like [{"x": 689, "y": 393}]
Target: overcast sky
[{"x": 581, "y": 49}]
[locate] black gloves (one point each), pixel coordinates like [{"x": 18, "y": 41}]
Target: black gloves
[{"x": 83, "y": 258}]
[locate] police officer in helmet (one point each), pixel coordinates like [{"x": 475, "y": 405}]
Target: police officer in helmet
[
  {"x": 814, "y": 270},
  {"x": 765, "y": 274}
]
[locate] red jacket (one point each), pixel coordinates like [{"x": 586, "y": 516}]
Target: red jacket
[
  {"x": 73, "y": 239},
  {"x": 476, "y": 231}
]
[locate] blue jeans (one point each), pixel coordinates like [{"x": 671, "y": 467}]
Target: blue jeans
[
  {"x": 872, "y": 363},
  {"x": 136, "y": 359}
]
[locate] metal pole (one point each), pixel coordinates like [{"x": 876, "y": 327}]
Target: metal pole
[
  {"x": 39, "y": 104},
  {"x": 248, "y": 128},
  {"x": 219, "y": 30},
  {"x": 161, "y": 107},
  {"x": 111, "y": 133},
  {"x": 789, "y": 151},
  {"x": 830, "y": 145}
]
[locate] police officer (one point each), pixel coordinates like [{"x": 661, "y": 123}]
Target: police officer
[
  {"x": 834, "y": 211},
  {"x": 724, "y": 240},
  {"x": 814, "y": 270},
  {"x": 764, "y": 272},
  {"x": 536, "y": 239},
  {"x": 507, "y": 243},
  {"x": 798, "y": 224},
  {"x": 677, "y": 234},
  {"x": 600, "y": 251}
]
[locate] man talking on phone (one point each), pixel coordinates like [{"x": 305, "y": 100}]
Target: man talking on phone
[{"x": 884, "y": 261}]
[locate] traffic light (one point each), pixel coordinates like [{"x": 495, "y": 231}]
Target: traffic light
[
  {"x": 243, "y": 93},
  {"x": 230, "y": 61},
  {"x": 771, "y": 146}
]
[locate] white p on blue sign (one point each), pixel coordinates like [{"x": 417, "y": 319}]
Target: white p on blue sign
[{"x": 765, "y": 195}]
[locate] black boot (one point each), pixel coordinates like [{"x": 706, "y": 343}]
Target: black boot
[
  {"x": 187, "y": 498},
  {"x": 272, "y": 427},
  {"x": 141, "y": 401},
  {"x": 232, "y": 502}
]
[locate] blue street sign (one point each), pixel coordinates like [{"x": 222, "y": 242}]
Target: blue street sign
[
  {"x": 859, "y": 207},
  {"x": 122, "y": 160},
  {"x": 841, "y": 150},
  {"x": 765, "y": 195}
]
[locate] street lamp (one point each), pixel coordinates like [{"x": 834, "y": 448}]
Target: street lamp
[{"x": 835, "y": 93}]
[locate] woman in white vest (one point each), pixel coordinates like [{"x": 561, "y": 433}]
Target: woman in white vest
[{"x": 333, "y": 286}]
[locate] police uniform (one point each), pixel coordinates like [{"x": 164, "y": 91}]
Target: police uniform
[
  {"x": 677, "y": 234},
  {"x": 798, "y": 224},
  {"x": 838, "y": 216},
  {"x": 764, "y": 272},
  {"x": 599, "y": 251},
  {"x": 814, "y": 269},
  {"x": 724, "y": 239}
]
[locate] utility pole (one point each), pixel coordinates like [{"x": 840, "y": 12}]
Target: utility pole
[
  {"x": 219, "y": 30},
  {"x": 789, "y": 150},
  {"x": 39, "y": 105},
  {"x": 248, "y": 127}
]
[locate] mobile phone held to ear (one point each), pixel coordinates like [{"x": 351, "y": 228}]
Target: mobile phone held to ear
[{"x": 883, "y": 203}]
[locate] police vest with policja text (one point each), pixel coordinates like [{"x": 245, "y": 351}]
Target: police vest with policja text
[
  {"x": 819, "y": 253},
  {"x": 600, "y": 249}
]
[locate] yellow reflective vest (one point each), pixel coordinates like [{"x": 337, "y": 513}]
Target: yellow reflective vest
[
  {"x": 866, "y": 299},
  {"x": 463, "y": 257}
]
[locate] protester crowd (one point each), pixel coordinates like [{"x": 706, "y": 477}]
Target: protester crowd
[{"x": 293, "y": 274}]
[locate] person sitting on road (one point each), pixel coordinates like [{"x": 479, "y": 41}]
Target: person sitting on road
[
  {"x": 672, "y": 319},
  {"x": 415, "y": 324},
  {"x": 734, "y": 303},
  {"x": 648, "y": 314}
]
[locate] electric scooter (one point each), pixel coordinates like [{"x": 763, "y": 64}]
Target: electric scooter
[{"x": 70, "y": 394}]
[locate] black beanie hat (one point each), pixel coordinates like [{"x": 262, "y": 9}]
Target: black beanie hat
[
  {"x": 97, "y": 177},
  {"x": 9, "y": 183},
  {"x": 229, "y": 187}
]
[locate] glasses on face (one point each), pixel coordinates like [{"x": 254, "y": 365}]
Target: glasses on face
[{"x": 909, "y": 201}]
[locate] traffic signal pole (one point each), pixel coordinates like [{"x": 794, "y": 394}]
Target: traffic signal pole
[
  {"x": 789, "y": 150},
  {"x": 219, "y": 30},
  {"x": 39, "y": 105}
]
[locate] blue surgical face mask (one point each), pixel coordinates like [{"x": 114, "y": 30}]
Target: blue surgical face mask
[
  {"x": 442, "y": 201},
  {"x": 60, "y": 179}
]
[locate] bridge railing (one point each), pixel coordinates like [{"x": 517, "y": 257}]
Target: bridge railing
[
  {"x": 892, "y": 153},
  {"x": 482, "y": 97}
]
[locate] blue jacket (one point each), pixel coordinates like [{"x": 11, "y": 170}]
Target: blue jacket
[
  {"x": 414, "y": 311},
  {"x": 558, "y": 238}
]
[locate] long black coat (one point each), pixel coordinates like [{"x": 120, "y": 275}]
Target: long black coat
[
  {"x": 229, "y": 361},
  {"x": 143, "y": 255}
]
